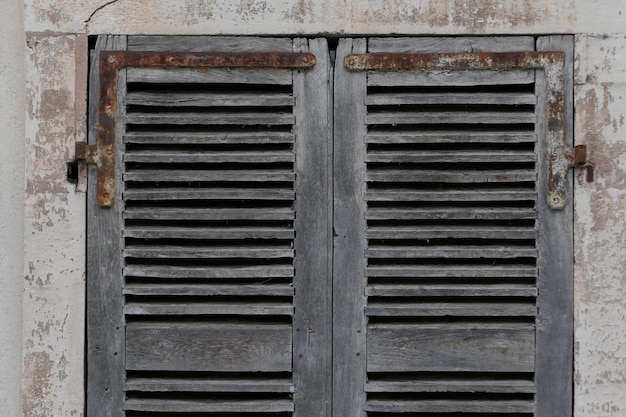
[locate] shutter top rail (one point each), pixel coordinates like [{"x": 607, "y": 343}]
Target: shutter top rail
[{"x": 102, "y": 153}]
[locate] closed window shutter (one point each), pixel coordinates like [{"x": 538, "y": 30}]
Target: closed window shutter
[
  {"x": 445, "y": 239},
  {"x": 194, "y": 267}
]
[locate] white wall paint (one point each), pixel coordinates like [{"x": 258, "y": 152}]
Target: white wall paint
[
  {"x": 11, "y": 203},
  {"x": 55, "y": 214}
]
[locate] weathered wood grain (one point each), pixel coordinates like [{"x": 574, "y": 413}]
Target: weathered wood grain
[
  {"x": 452, "y": 44},
  {"x": 450, "y": 232},
  {"x": 464, "y": 136},
  {"x": 453, "y": 271},
  {"x": 190, "y": 272},
  {"x": 189, "y": 157},
  {"x": 210, "y": 118},
  {"x": 189, "y": 214},
  {"x": 196, "y": 384},
  {"x": 449, "y": 78},
  {"x": 209, "y": 75},
  {"x": 186, "y": 308},
  {"x": 207, "y": 99},
  {"x": 451, "y": 213},
  {"x": 451, "y": 406},
  {"x": 208, "y": 406},
  {"x": 156, "y": 232},
  {"x": 168, "y": 194},
  {"x": 448, "y": 117},
  {"x": 240, "y": 290},
  {"x": 207, "y": 138}
]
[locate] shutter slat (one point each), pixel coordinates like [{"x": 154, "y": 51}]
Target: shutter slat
[
  {"x": 453, "y": 385},
  {"x": 189, "y": 157},
  {"x": 206, "y": 99},
  {"x": 451, "y": 213},
  {"x": 208, "y": 194},
  {"x": 469, "y": 309},
  {"x": 208, "y": 347},
  {"x": 451, "y": 347},
  {"x": 208, "y": 233},
  {"x": 456, "y": 98},
  {"x": 209, "y": 290},
  {"x": 209, "y": 75},
  {"x": 193, "y": 308},
  {"x": 450, "y": 117},
  {"x": 464, "y": 136},
  {"x": 466, "y": 252},
  {"x": 208, "y": 138},
  {"x": 450, "y": 156},
  {"x": 449, "y": 78},
  {"x": 493, "y": 195},
  {"x": 159, "y": 213},
  {"x": 208, "y": 176},
  {"x": 458, "y": 290},
  {"x": 451, "y": 406},
  {"x": 453, "y": 271},
  {"x": 151, "y": 252},
  {"x": 229, "y": 272},
  {"x": 239, "y": 119},
  {"x": 208, "y": 406},
  {"x": 416, "y": 175},
  {"x": 451, "y": 232},
  {"x": 207, "y": 385}
]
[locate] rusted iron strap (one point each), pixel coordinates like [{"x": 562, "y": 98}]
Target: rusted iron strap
[
  {"x": 559, "y": 154},
  {"x": 102, "y": 153}
]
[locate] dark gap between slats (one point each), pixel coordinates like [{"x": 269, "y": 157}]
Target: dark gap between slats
[
  {"x": 468, "y": 414},
  {"x": 164, "y": 282},
  {"x": 245, "y": 147},
  {"x": 451, "y": 261},
  {"x": 425, "y": 242},
  {"x": 210, "y": 204},
  {"x": 451, "y": 281},
  {"x": 417, "y": 128},
  {"x": 474, "y": 108},
  {"x": 443, "y": 222},
  {"x": 165, "y": 414},
  {"x": 469, "y": 146},
  {"x": 211, "y": 319},
  {"x": 449, "y": 396},
  {"x": 477, "y": 89},
  {"x": 146, "y": 109},
  {"x": 438, "y": 320},
  {"x": 251, "y": 89},
  {"x": 210, "y": 184},
  {"x": 188, "y": 128}
]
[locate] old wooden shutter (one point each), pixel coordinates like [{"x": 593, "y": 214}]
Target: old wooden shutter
[
  {"x": 453, "y": 277},
  {"x": 218, "y": 229},
  {"x": 330, "y": 242}
]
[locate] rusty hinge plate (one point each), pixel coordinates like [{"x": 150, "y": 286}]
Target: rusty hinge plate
[
  {"x": 102, "y": 152},
  {"x": 551, "y": 62}
]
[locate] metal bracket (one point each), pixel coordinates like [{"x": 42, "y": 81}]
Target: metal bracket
[
  {"x": 551, "y": 62},
  {"x": 102, "y": 152}
]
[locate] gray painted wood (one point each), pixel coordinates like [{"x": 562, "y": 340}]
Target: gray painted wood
[
  {"x": 204, "y": 118},
  {"x": 450, "y": 232},
  {"x": 450, "y": 78},
  {"x": 438, "y": 118},
  {"x": 213, "y": 157},
  {"x": 451, "y": 213},
  {"x": 208, "y": 385},
  {"x": 208, "y": 138},
  {"x": 416, "y": 308},
  {"x": 208, "y": 43},
  {"x": 451, "y": 252},
  {"x": 554, "y": 370},
  {"x": 463, "y": 176},
  {"x": 451, "y": 406},
  {"x": 465, "y": 156},
  {"x": 209, "y": 406},
  {"x": 208, "y": 194},
  {"x": 452, "y": 44},
  {"x": 513, "y": 194},
  {"x": 209, "y": 347},
  {"x": 442, "y": 137},
  {"x": 186, "y": 252},
  {"x": 445, "y": 271},
  {"x": 211, "y": 75},
  {"x": 235, "y": 175},
  {"x": 104, "y": 318},
  {"x": 312, "y": 322},
  {"x": 457, "y": 290},
  {"x": 451, "y": 347},
  {"x": 209, "y": 290},
  {"x": 204, "y": 99},
  {"x": 190, "y": 272},
  {"x": 160, "y": 213},
  {"x": 157, "y": 232},
  {"x": 349, "y": 347},
  {"x": 187, "y": 308},
  {"x": 505, "y": 98},
  {"x": 453, "y": 385}
]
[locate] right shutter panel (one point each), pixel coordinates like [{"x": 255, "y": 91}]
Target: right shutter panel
[{"x": 450, "y": 203}]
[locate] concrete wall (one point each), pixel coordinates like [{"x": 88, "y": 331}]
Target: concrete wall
[{"x": 52, "y": 48}]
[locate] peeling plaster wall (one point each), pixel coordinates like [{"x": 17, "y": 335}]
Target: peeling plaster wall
[
  {"x": 11, "y": 204},
  {"x": 54, "y": 215}
]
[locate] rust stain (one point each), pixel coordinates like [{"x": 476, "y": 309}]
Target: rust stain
[
  {"x": 552, "y": 63},
  {"x": 102, "y": 153}
]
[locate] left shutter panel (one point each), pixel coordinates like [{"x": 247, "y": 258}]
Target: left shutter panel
[{"x": 207, "y": 209}]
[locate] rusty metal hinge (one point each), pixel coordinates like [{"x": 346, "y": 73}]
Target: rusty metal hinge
[
  {"x": 102, "y": 152},
  {"x": 551, "y": 62}
]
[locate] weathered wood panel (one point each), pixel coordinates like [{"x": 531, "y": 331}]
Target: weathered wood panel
[{"x": 228, "y": 347}]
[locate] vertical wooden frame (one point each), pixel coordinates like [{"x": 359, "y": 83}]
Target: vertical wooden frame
[
  {"x": 105, "y": 318},
  {"x": 349, "y": 338},
  {"x": 555, "y": 324},
  {"x": 312, "y": 322}
]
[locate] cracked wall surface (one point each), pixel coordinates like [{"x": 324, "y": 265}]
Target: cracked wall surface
[{"x": 49, "y": 343}]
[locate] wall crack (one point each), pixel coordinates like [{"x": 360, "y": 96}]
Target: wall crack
[{"x": 97, "y": 10}]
